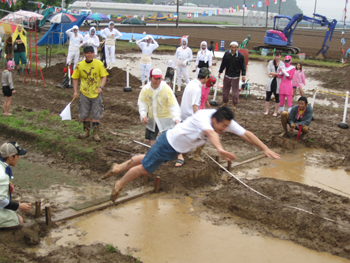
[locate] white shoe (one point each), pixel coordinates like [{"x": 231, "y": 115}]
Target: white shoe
[
  {"x": 178, "y": 87},
  {"x": 142, "y": 84}
]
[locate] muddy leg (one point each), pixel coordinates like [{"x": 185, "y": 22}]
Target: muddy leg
[
  {"x": 197, "y": 156},
  {"x": 118, "y": 168},
  {"x": 284, "y": 120}
]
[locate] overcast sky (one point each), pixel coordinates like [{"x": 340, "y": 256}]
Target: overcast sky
[{"x": 329, "y": 8}]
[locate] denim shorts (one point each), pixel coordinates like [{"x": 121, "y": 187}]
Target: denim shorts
[{"x": 160, "y": 152}]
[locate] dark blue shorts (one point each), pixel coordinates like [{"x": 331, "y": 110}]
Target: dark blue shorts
[{"x": 160, "y": 152}]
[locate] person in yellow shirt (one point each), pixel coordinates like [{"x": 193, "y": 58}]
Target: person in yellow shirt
[{"x": 93, "y": 76}]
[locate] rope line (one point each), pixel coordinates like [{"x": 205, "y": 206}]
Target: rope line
[
  {"x": 269, "y": 198},
  {"x": 332, "y": 93}
]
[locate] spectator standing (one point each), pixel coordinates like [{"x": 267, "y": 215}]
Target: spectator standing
[
  {"x": 7, "y": 86},
  {"x": 75, "y": 42},
  {"x": 8, "y": 48},
  {"x": 273, "y": 82},
  {"x": 183, "y": 57},
  {"x": 19, "y": 42},
  {"x": 234, "y": 65},
  {"x": 298, "y": 80},
  {"x": 111, "y": 35},
  {"x": 93, "y": 76}
]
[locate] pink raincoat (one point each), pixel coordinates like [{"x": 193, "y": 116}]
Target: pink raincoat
[{"x": 298, "y": 78}]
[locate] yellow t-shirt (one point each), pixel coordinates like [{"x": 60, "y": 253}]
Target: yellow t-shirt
[{"x": 90, "y": 75}]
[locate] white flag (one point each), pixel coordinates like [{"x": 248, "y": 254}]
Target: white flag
[{"x": 65, "y": 114}]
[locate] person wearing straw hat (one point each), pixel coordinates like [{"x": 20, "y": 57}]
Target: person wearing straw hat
[
  {"x": 234, "y": 65},
  {"x": 300, "y": 114},
  {"x": 158, "y": 106},
  {"x": 75, "y": 42},
  {"x": 92, "y": 39},
  {"x": 147, "y": 46},
  {"x": 93, "y": 76},
  {"x": 19, "y": 44},
  {"x": 111, "y": 35},
  {"x": 10, "y": 153},
  {"x": 195, "y": 131}
]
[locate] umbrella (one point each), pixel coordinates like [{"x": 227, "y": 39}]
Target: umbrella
[
  {"x": 7, "y": 28},
  {"x": 62, "y": 18},
  {"x": 22, "y": 15},
  {"x": 133, "y": 21},
  {"x": 97, "y": 16}
]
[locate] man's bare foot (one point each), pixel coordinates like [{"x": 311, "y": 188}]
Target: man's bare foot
[
  {"x": 111, "y": 172},
  {"x": 7, "y": 114},
  {"x": 116, "y": 191},
  {"x": 198, "y": 159}
]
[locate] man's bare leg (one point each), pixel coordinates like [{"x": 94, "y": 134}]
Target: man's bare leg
[
  {"x": 151, "y": 142},
  {"x": 134, "y": 173},
  {"x": 118, "y": 168}
]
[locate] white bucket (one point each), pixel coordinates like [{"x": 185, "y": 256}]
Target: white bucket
[{"x": 301, "y": 56}]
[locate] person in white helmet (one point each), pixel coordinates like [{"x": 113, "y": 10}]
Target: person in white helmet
[
  {"x": 92, "y": 39},
  {"x": 183, "y": 57},
  {"x": 110, "y": 34},
  {"x": 75, "y": 42},
  {"x": 147, "y": 45},
  {"x": 204, "y": 58}
]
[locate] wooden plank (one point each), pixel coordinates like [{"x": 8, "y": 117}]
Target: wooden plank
[
  {"x": 235, "y": 164},
  {"x": 70, "y": 214}
]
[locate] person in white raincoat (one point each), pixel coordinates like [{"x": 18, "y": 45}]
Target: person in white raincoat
[
  {"x": 147, "y": 45},
  {"x": 92, "y": 39},
  {"x": 158, "y": 107},
  {"x": 183, "y": 57},
  {"x": 75, "y": 42},
  {"x": 111, "y": 35},
  {"x": 204, "y": 58}
]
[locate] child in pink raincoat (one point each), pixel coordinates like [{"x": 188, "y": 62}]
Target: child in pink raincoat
[
  {"x": 286, "y": 88},
  {"x": 205, "y": 92},
  {"x": 298, "y": 80}
]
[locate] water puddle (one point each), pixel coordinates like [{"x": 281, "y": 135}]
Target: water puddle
[
  {"x": 304, "y": 168},
  {"x": 163, "y": 228}
]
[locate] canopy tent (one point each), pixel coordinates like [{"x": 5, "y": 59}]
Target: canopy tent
[
  {"x": 52, "y": 37},
  {"x": 22, "y": 15},
  {"x": 158, "y": 17}
]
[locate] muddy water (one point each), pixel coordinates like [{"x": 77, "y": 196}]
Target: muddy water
[
  {"x": 304, "y": 167},
  {"x": 163, "y": 228}
]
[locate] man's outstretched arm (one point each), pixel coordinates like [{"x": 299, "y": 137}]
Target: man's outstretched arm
[{"x": 252, "y": 139}]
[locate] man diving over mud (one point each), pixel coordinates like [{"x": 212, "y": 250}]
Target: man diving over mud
[{"x": 195, "y": 131}]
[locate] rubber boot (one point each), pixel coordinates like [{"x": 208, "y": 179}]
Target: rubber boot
[
  {"x": 267, "y": 104},
  {"x": 142, "y": 84},
  {"x": 86, "y": 133},
  {"x": 96, "y": 127},
  {"x": 281, "y": 109},
  {"x": 178, "y": 87},
  {"x": 289, "y": 109}
]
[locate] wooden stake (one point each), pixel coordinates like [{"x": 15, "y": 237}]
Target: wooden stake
[
  {"x": 37, "y": 209},
  {"x": 229, "y": 163},
  {"x": 284, "y": 145},
  {"x": 217, "y": 158},
  {"x": 157, "y": 184},
  {"x": 145, "y": 179},
  {"x": 273, "y": 141},
  {"x": 48, "y": 216}
]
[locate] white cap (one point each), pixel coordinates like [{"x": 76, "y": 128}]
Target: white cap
[
  {"x": 234, "y": 43},
  {"x": 156, "y": 73},
  {"x": 75, "y": 27}
]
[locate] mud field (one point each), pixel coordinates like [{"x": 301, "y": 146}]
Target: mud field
[{"x": 120, "y": 125}]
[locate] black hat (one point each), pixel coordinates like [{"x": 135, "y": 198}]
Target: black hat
[
  {"x": 88, "y": 49},
  {"x": 11, "y": 148}
]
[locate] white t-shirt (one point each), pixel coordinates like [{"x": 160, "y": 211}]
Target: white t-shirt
[
  {"x": 189, "y": 134},
  {"x": 191, "y": 96}
]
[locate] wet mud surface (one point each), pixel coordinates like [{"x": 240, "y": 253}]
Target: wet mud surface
[{"x": 121, "y": 124}]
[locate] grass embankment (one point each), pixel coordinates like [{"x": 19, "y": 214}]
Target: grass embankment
[{"x": 48, "y": 132}]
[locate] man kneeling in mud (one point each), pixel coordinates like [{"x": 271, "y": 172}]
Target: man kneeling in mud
[{"x": 195, "y": 131}]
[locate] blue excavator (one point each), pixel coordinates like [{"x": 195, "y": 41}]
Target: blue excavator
[{"x": 281, "y": 36}]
